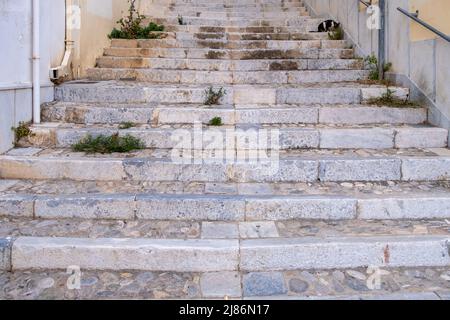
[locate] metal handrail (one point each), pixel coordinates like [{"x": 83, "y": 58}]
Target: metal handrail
[
  {"x": 367, "y": 4},
  {"x": 415, "y": 17}
]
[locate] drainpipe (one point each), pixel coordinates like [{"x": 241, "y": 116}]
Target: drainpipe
[
  {"x": 64, "y": 70},
  {"x": 36, "y": 65},
  {"x": 382, "y": 40}
]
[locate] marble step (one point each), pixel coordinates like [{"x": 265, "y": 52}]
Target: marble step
[
  {"x": 304, "y": 137},
  {"x": 231, "y": 44},
  {"x": 229, "y": 54},
  {"x": 412, "y": 205},
  {"x": 107, "y": 113},
  {"x": 132, "y": 92},
  {"x": 174, "y": 165},
  {"x": 259, "y": 255},
  {"x": 234, "y": 65},
  {"x": 226, "y": 77},
  {"x": 310, "y": 24}
]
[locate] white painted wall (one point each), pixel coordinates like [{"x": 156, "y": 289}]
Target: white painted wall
[{"x": 16, "y": 63}]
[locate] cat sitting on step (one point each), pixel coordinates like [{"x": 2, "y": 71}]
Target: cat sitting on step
[{"x": 328, "y": 25}]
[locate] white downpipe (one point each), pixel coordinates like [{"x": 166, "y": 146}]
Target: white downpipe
[{"x": 36, "y": 64}]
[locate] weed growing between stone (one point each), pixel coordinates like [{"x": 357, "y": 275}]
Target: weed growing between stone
[
  {"x": 213, "y": 96},
  {"x": 388, "y": 99},
  {"x": 108, "y": 144},
  {"x": 126, "y": 125},
  {"x": 372, "y": 63},
  {"x": 22, "y": 131},
  {"x": 131, "y": 26},
  {"x": 216, "y": 122}
]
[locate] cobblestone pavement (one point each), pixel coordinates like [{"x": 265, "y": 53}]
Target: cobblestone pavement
[
  {"x": 87, "y": 228},
  {"x": 416, "y": 283},
  {"x": 49, "y": 187}
]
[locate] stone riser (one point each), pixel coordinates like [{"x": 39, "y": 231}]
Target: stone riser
[
  {"x": 312, "y": 30},
  {"x": 246, "y": 36},
  {"x": 236, "y": 65},
  {"x": 226, "y": 77},
  {"x": 234, "y": 95},
  {"x": 323, "y": 169},
  {"x": 215, "y": 54},
  {"x": 227, "y": 255},
  {"x": 301, "y": 21},
  {"x": 224, "y": 208},
  {"x": 232, "y": 44},
  {"x": 233, "y": 14},
  {"x": 342, "y": 115},
  {"x": 290, "y": 139}
]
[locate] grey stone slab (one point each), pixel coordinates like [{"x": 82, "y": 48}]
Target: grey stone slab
[
  {"x": 426, "y": 169},
  {"x": 221, "y": 285},
  {"x": 190, "y": 208},
  {"x": 5, "y": 254},
  {"x": 219, "y": 230},
  {"x": 287, "y": 208},
  {"x": 360, "y": 169},
  {"x": 17, "y": 205},
  {"x": 254, "y": 230},
  {"x": 264, "y": 284},
  {"x": 125, "y": 254},
  {"x": 350, "y": 252},
  {"x": 113, "y": 206},
  {"x": 413, "y": 207}
]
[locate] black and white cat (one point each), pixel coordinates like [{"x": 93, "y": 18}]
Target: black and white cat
[{"x": 328, "y": 25}]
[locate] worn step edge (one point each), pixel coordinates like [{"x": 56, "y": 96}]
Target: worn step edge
[
  {"x": 85, "y": 113},
  {"x": 125, "y": 254},
  {"x": 326, "y": 169},
  {"x": 225, "y": 208},
  {"x": 289, "y": 139},
  {"x": 348, "y": 252},
  {"x": 227, "y": 77}
]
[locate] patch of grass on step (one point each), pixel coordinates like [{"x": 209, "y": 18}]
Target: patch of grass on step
[
  {"x": 372, "y": 63},
  {"x": 22, "y": 131},
  {"x": 108, "y": 144},
  {"x": 336, "y": 34},
  {"x": 126, "y": 125},
  {"x": 388, "y": 99},
  {"x": 131, "y": 27},
  {"x": 216, "y": 122},
  {"x": 212, "y": 96}
]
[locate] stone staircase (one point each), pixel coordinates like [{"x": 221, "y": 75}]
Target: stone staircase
[{"x": 356, "y": 185}]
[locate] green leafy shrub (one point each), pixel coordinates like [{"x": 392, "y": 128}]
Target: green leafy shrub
[
  {"x": 108, "y": 144},
  {"x": 372, "y": 63},
  {"x": 213, "y": 96},
  {"x": 131, "y": 26},
  {"x": 22, "y": 131},
  {"x": 336, "y": 34},
  {"x": 216, "y": 122}
]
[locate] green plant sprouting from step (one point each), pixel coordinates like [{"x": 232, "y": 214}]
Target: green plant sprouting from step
[
  {"x": 108, "y": 144},
  {"x": 212, "y": 96},
  {"x": 22, "y": 131},
  {"x": 131, "y": 26},
  {"x": 389, "y": 99},
  {"x": 336, "y": 34},
  {"x": 216, "y": 122},
  {"x": 126, "y": 125},
  {"x": 372, "y": 63}
]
